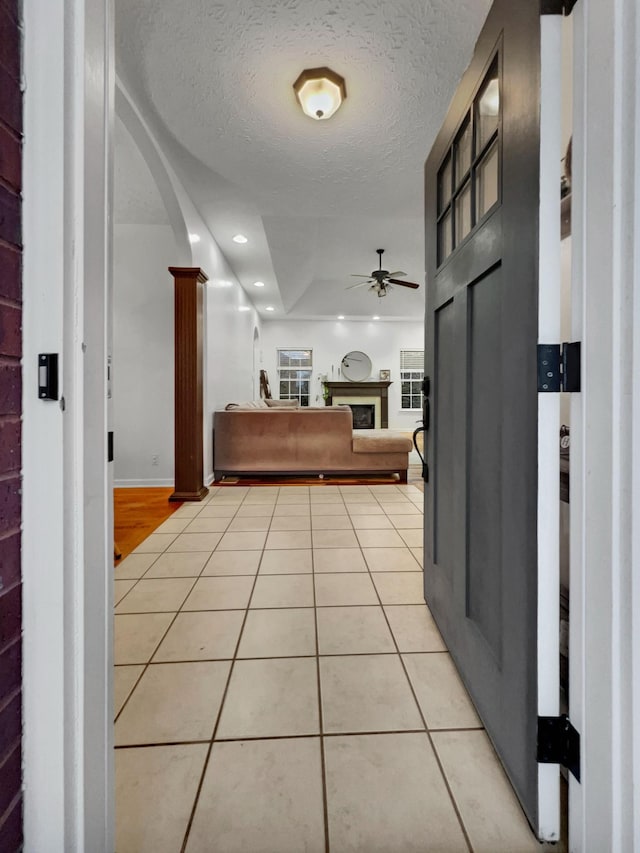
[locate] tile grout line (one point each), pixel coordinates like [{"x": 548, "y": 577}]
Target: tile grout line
[
  {"x": 303, "y": 736},
  {"x": 292, "y": 657},
  {"x": 220, "y": 710},
  {"x": 161, "y": 640},
  {"x": 323, "y": 761},
  {"x": 423, "y": 718},
  {"x": 146, "y": 665},
  {"x": 137, "y": 580},
  {"x": 245, "y": 505}
]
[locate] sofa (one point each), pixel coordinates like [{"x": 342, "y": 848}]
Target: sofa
[{"x": 250, "y": 439}]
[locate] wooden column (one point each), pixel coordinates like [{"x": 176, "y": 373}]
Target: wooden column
[{"x": 189, "y": 298}]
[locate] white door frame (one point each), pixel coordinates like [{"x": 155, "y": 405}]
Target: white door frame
[
  {"x": 549, "y": 287},
  {"x": 604, "y": 646},
  {"x": 66, "y": 538},
  {"x": 67, "y": 527}
]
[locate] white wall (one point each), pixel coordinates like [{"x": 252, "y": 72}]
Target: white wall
[
  {"x": 146, "y": 426},
  {"x": 143, "y": 348},
  {"x": 230, "y": 321},
  {"x": 330, "y": 340}
]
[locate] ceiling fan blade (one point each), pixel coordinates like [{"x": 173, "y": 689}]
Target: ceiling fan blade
[
  {"x": 359, "y": 284},
  {"x": 411, "y": 284},
  {"x": 397, "y": 272},
  {"x": 357, "y": 275}
]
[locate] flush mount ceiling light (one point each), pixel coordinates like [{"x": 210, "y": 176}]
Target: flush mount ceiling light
[
  {"x": 258, "y": 283},
  {"x": 239, "y": 238},
  {"x": 269, "y": 308},
  {"x": 194, "y": 238},
  {"x": 320, "y": 91},
  {"x": 376, "y": 317},
  {"x": 244, "y": 308},
  {"x": 340, "y": 316}
]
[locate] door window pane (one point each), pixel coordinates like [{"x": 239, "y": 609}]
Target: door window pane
[
  {"x": 487, "y": 109},
  {"x": 463, "y": 152},
  {"x": 487, "y": 182},
  {"x": 444, "y": 185},
  {"x": 463, "y": 213},
  {"x": 469, "y": 177},
  {"x": 445, "y": 242}
]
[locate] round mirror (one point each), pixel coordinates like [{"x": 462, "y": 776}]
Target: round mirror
[{"x": 356, "y": 366}]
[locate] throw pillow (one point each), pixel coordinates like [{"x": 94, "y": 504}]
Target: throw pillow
[{"x": 282, "y": 404}]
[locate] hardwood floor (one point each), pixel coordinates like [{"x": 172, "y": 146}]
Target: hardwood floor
[{"x": 137, "y": 513}]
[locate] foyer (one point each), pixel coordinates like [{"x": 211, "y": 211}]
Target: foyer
[{"x": 281, "y": 686}]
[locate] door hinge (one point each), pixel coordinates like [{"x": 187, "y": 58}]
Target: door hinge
[
  {"x": 559, "y": 367},
  {"x": 559, "y": 743}
]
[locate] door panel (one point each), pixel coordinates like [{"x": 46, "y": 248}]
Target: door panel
[
  {"x": 484, "y": 435},
  {"x": 444, "y": 521},
  {"x": 482, "y": 197}
]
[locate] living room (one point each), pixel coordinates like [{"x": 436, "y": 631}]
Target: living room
[{"x": 240, "y": 339}]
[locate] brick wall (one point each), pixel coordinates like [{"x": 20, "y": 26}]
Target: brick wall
[{"x": 10, "y": 409}]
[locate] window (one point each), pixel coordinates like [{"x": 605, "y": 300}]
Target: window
[
  {"x": 294, "y": 372},
  {"x": 469, "y": 177},
  {"x": 411, "y": 376}
]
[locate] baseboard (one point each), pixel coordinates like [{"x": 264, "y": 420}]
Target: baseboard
[
  {"x": 209, "y": 479},
  {"x": 142, "y": 484}
]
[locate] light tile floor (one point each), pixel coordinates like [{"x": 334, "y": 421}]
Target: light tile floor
[{"x": 280, "y": 685}]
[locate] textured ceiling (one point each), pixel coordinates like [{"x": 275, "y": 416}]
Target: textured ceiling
[{"x": 318, "y": 197}]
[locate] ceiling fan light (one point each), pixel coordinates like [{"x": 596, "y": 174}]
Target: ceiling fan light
[{"x": 320, "y": 92}]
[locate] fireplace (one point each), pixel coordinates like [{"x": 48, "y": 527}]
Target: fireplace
[
  {"x": 363, "y": 394},
  {"x": 364, "y": 415}
]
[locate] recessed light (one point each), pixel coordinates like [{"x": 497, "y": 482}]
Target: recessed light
[
  {"x": 269, "y": 308},
  {"x": 258, "y": 283},
  {"x": 244, "y": 308},
  {"x": 340, "y": 316},
  {"x": 194, "y": 238},
  {"x": 376, "y": 317},
  {"x": 240, "y": 238}
]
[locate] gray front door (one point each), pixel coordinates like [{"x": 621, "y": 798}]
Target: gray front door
[{"x": 482, "y": 239}]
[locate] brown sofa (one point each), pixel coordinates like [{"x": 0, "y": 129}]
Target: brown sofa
[{"x": 288, "y": 440}]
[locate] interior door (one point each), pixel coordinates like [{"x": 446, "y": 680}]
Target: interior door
[{"x": 490, "y": 183}]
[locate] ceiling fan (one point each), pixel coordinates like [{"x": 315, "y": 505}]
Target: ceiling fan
[{"x": 381, "y": 280}]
